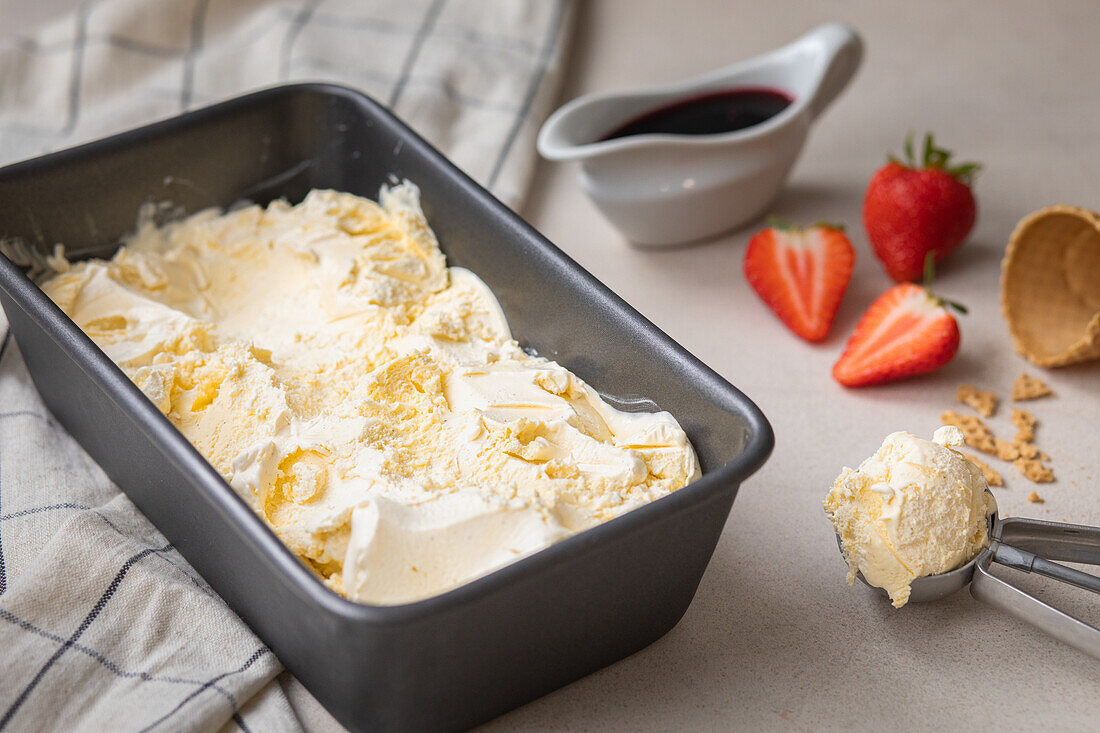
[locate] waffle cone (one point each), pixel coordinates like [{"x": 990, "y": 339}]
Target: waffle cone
[{"x": 1050, "y": 286}]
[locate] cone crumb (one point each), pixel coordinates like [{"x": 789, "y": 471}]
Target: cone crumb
[
  {"x": 975, "y": 432},
  {"x": 1034, "y": 498},
  {"x": 984, "y": 403},
  {"x": 1021, "y": 451},
  {"x": 1025, "y": 425},
  {"x": 1026, "y": 450},
  {"x": 991, "y": 476},
  {"x": 1006, "y": 451},
  {"x": 1028, "y": 387},
  {"x": 1034, "y": 470}
]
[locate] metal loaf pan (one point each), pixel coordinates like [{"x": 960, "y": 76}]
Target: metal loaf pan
[{"x": 457, "y": 659}]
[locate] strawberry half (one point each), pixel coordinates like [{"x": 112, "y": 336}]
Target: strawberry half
[
  {"x": 912, "y": 208},
  {"x": 801, "y": 274},
  {"x": 906, "y": 331}
]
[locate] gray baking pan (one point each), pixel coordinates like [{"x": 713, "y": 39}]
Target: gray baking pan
[{"x": 460, "y": 658}]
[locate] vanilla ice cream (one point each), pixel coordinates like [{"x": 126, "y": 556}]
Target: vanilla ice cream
[
  {"x": 367, "y": 401},
  {"x": 914, "y": 508}
]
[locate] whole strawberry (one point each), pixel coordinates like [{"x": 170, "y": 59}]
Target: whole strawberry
[
  {"x": 906, "y": 331},
  {"x": 912, "y": 209}
]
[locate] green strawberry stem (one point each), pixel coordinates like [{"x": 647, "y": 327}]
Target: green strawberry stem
[
  {"x": 933, "y": 158},
  {"x": 783, "y": 225},
  {"x": 929, "y": 275}
]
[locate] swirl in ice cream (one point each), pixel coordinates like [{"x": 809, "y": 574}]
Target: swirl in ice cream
[
  {"x": 366, "y": 400},
  {"x": 916, "y": 507}
]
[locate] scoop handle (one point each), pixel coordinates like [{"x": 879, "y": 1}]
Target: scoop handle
[
  {"x": 841, "y": 51},
  {"x": 1051, "y": 540},
  {"x": 1054, "y": 541}
]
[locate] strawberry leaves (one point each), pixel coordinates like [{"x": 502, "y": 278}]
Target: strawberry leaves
[{"x": 934, "y": 158}]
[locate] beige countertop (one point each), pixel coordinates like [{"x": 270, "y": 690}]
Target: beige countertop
[{"x": 775, "y": 638}]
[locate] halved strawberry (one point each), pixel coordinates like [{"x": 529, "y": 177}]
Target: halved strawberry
[
  {"x": 801, "y": 274},
  {"x": 906, "y": 331}
]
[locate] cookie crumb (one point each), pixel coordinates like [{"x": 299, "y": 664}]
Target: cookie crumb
[
  {"x": 1006, "y": 451},
  {"x": 991, "y": 476},
  {"x": 985, "y": 403},
  {"x": 975, "y": 431},
  {"x": 1034, "y": 471},
  {"x": 1028, "y": 387},
  {"x": 1034, "y": 498},
  {"x": 1025, "y": 425}
]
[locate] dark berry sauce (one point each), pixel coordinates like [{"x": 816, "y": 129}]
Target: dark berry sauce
[{"x": 724, "y": 111}]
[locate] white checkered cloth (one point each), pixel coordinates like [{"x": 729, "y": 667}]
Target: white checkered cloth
[{"x": 103, "y": 625}]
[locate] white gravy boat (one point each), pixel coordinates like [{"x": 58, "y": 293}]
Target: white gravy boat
[{"x": 664, "y": 189}]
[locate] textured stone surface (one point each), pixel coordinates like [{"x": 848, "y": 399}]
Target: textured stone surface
[{"x": 774, "y": 638}]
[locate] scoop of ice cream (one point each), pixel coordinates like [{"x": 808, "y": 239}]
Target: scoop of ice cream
[{"x": 916, "y": 507}]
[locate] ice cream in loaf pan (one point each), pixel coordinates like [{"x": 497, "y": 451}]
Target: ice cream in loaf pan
[{"x": 367, "y": 401}]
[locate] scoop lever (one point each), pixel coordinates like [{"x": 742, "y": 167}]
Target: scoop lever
[{"x": 1028, "y": 562}]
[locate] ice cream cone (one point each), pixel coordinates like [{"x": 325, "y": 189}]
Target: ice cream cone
[{"x": 1050, "y": 286}]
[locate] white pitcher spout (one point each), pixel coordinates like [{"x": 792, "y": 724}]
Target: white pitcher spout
[{"x": 841, "y": 51}]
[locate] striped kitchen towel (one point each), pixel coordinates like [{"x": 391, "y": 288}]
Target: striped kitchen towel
[{"x": 103, "y": 625}]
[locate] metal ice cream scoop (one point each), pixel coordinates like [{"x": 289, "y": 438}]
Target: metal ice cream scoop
[{"x": 1032, "y": 546}]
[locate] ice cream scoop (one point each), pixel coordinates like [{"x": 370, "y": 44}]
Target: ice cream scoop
[
  {"x": 893, "y": 539},
  {"x": 915, "y": 508}
]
